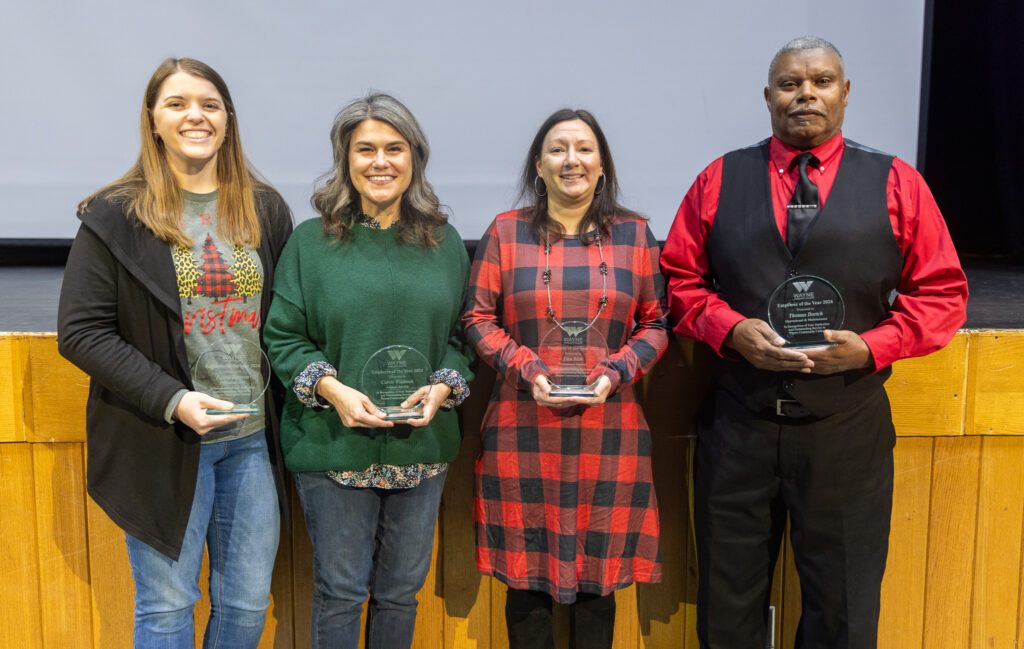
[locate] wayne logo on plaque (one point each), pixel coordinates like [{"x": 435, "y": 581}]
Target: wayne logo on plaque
[
  {"x": 802, "y": 308},
  {"x": 239, "y": 374},
  {"x": 390, "y": 376},
  {"x": 570, "y": 350}
]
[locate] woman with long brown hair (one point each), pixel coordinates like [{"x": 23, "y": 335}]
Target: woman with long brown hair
[
  {"x": 170, "y": 274},
  {"x": 567, "y": 304}
]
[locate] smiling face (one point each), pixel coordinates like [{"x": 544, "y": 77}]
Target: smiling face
[
  {"x": 380, "y": 167},
  {"x": 570, "y": 164},
  {"x": 806, "y": 96},
  {"x": 190, "y": 119}
]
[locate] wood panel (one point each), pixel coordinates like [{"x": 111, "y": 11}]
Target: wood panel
[
  {"x": 65, "y": 598},
  {"x": 55, "y": 400},
  {"x": 955, "y": 560},
  {"x": 928, "y": 394},
  {"x": 996, "y": 383},
  {"x": 113, "y": 591},
  {"x": 998, "y": 549},
  {"x": 12, "y": 368},
  {"x": 627, "y": 628},
  {"x": 20, "y": 622},
  {"x": 1020, "y": 597},
  {"x": 670, "y": 395},
  {"x": 499, "y": 630},
  {"x": 786, "y": 595},
  {"x": 901, "y": 621},
  {"x": 430, "y": 608},
  {"x": 689, "y": 538},
  {"x": 467, "y": 600},
  {"x": 279, "y": 633},
  {"x": 201, "y": 610},
  {"x": 666, "y": 611},
  {"x": 951, "y": 542}
]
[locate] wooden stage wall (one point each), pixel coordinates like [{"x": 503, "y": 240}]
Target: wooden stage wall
[{"x": 955, "y": 559}]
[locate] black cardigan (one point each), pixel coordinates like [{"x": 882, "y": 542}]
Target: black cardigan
[{"x": 120, "y": 321}]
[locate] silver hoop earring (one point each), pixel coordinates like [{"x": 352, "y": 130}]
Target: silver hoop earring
[
  {"x": 602, "y": 184},
  {"x": 543, "y": 186}
]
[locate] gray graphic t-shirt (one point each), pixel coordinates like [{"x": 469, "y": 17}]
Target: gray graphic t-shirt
[{"x": 220, "y": 286}]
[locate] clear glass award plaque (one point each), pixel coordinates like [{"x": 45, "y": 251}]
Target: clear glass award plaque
[
  {"x": 802, "y": 308},
  {"x": 392, "y": 374},
  {"x": 238, "y": 372},
  {"x": 570, "y": 353}
]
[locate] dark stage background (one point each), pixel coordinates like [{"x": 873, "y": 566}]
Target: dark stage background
[{"x": 972, "y": 123}]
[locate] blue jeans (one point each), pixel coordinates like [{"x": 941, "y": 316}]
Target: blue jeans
[
  {"x": 234, "y": 512},
  {"x": 375, "y": 542}
]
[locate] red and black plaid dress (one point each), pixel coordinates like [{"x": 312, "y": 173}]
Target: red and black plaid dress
[{"x": 564, "y": 499}]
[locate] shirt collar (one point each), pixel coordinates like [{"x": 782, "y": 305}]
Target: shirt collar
[{"x": 827, "y": 153}]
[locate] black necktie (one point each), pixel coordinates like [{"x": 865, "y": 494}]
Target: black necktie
[{"x": 803, "y": 207}]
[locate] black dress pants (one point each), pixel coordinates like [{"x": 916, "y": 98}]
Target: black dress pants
[
  {"x": 528, "y": 615},
  {"x": 834, "y": 478}
]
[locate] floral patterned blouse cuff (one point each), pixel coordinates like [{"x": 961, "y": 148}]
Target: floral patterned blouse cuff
[
  {"x": 305, "y": 383},
  {"x": 455, "y": 381}
]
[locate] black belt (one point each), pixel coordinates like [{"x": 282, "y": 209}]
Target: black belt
[{"x": 791, "y": 409}]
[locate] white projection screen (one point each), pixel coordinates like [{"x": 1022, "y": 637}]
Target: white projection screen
[{"x": 674, "y": 85}]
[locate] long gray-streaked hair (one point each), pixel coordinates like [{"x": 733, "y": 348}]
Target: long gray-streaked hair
[{"x": 337, "y": 200}]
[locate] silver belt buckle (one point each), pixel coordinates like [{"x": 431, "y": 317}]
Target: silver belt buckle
[{"x": 778, "y": 405}]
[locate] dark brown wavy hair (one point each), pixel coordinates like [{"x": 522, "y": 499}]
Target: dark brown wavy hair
[{"x": 603, "y": 208}]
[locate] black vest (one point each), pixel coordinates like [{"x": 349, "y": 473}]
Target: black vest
[{"x": 851, "y": 244}]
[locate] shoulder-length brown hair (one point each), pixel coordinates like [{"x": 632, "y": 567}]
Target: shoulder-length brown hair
[
  {"x": 605, "y": 206},
  {"x": 337, "y": 200},
  {"x": 150, "y": 192}
]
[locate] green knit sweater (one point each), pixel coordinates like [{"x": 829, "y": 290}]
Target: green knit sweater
[{"x": 341, "y": 302}]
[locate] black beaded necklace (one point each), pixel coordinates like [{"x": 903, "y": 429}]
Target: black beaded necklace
[{"x": 547, "y": 285}]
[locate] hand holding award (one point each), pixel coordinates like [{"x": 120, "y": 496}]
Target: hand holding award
[
  {"x": 802, "y": 308},
  {"x": 571, "y": 350},
  {"x": 239, "y": 373},
  {"x": 390, "y": 376}
]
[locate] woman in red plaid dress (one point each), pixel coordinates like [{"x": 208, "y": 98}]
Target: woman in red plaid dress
[{"x": 565, "y": 508}]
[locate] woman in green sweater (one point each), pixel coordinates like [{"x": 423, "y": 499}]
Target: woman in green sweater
[{"x": 380, "y": 267}]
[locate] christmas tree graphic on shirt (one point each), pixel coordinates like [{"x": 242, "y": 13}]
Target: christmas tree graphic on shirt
[{"x": 227, "y": 286}]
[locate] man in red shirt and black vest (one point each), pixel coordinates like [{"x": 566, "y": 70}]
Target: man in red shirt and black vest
[{"x": 804, "y": 431}]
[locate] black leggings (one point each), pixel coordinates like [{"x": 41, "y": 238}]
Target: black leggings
[{"x": 528, "y": 615}]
